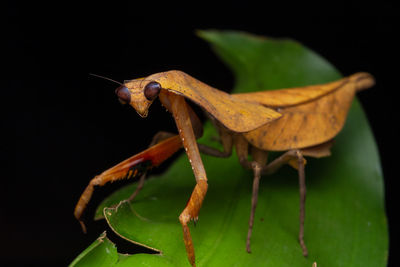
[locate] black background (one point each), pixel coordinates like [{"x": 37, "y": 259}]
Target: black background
[{"x": 63, "y": 127}]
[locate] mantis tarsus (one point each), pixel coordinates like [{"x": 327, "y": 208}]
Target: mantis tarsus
[{"x": 301, "y": 121}]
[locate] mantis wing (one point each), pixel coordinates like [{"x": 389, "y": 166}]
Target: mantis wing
[
  {"x": 295, "y": 96},
  {"x": 311, "y": 120}
]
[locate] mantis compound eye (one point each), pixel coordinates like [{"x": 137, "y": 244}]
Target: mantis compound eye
[
  {"x": 123, "y": 94},
  {"x": 152, "y": 90}
]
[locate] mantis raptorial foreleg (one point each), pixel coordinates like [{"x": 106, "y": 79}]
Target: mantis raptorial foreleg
[
  {"x": 157, "y": 138},
  {"x": 186, "y": 133},
  {"x": 131, "y": 167}
]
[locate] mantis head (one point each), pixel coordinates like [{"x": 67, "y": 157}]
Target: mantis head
[{"x": 139, "y": 93}]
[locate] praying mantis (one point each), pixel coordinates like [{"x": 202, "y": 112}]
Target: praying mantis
[{"x": 298, "y": 122}]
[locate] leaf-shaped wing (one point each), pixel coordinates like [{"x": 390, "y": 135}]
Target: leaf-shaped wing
[
  {"x": 314, "y": 119},
  {"x": 296, "y": 96}
]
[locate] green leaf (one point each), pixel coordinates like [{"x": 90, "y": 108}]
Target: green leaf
[
  {"x": 101, "y": 252},
  {"x": 345, "y": 222}
]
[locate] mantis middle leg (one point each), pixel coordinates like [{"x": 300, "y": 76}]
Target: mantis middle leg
[
  {"x": 259, "y": 160},
  {"x": 226, "y": 138}
]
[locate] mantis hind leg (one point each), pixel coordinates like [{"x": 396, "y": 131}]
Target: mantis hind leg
[
  {"x": 302, "y": 189},
  {"x": 295, "y": 159}
]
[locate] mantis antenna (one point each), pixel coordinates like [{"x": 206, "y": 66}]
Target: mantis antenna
[{"x": 105, "y": 78}]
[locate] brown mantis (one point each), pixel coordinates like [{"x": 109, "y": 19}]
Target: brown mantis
[{"x": 301, "y": 121}]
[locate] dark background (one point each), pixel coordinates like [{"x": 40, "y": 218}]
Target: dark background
[{"x": 63, "y": 127}]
